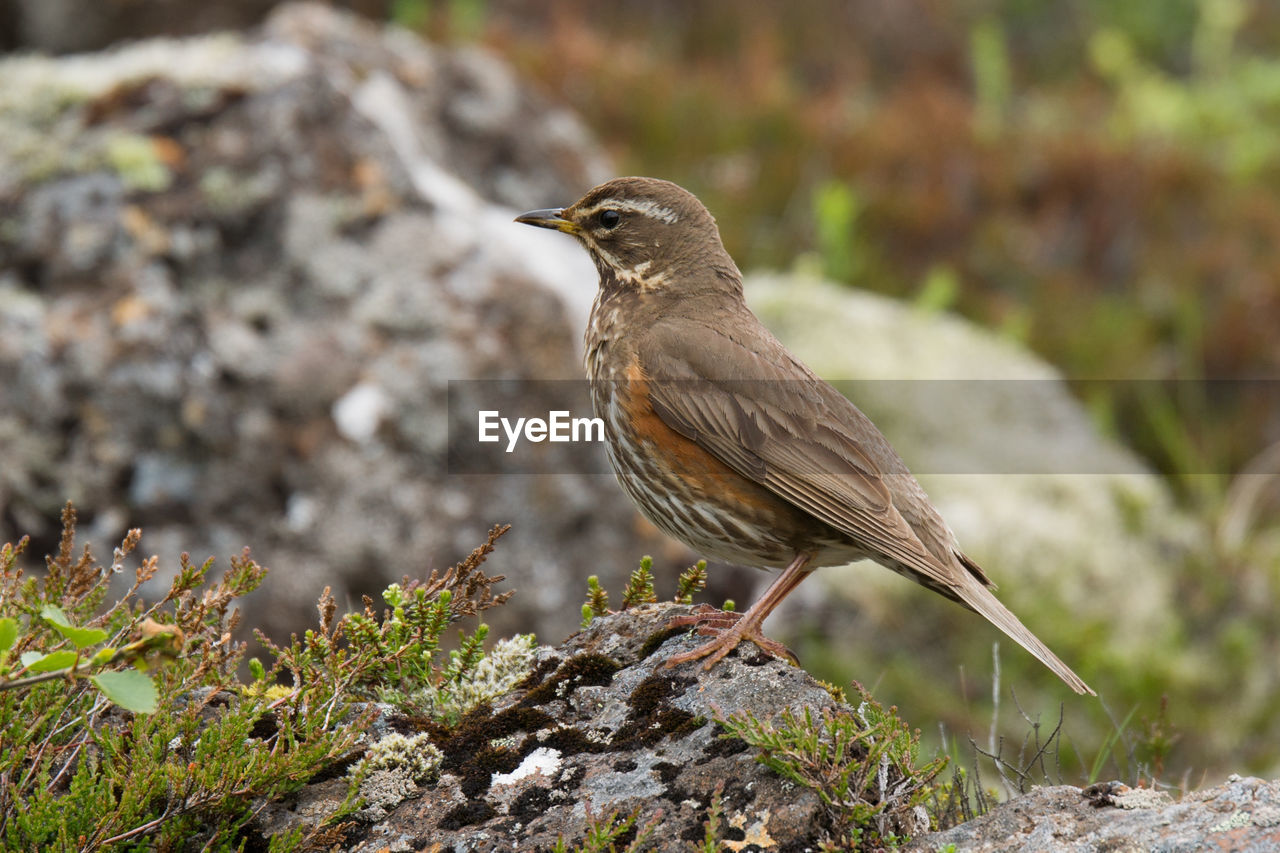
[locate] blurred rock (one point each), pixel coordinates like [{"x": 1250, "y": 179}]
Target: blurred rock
[
  {"x": 65, "y": 26},
  {"x": 1241, "y": 814},
  {"x": 237, "y": 274}
]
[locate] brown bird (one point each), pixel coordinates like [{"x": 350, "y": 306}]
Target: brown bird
[{"x": 726, "y": 441}]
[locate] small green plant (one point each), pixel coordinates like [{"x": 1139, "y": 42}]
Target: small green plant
[
  {"x": 640, "y": 585},
  {"x": 639, "y": 590},
  {"x": 711, "y": 826},
  {"x": 863, "y": 766},
  {"x": 87, "y": 768},
  {"x": 81, "y": 771},
  {"x": 1158, "y": 738},
  {"x": 691, "y": 582},
  {"x": 397, "y": 657},
  {"x": 604, "y": 834},
  {"x": 1109, "y": 749},
  {"x": 842, "y": 249},
  {"x": 597, "y": 603}
]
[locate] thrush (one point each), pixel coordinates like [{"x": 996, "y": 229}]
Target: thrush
[{"x": 728, "y": 442}]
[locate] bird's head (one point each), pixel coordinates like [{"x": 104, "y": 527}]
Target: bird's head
[{"x": 644, "y": 234}]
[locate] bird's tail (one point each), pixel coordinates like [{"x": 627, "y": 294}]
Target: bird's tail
[{"x": 973, "y": 594}]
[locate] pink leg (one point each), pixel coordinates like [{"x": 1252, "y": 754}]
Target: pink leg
[{"x": 728, "y": 629}]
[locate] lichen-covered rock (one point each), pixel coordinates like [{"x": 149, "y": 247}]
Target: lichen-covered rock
[
  {"x": 600, "y": 729},
  {"x": 1239, "y": 815}
]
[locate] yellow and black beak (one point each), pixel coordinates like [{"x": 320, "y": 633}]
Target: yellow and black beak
[{"x": 551, "y": 217}]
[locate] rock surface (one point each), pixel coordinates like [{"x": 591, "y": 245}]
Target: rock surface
[
  {"x": 1240, "y": 815},
  {"x": 600, "y": 730}
]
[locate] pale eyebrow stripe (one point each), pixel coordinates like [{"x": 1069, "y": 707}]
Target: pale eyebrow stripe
[{"x": 651, "y": 209}]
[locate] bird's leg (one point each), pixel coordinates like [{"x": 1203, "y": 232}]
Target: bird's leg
[{"x": 728, "y": 629}]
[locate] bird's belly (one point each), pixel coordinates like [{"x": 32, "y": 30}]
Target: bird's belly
[{"x": 695, "y": 498}]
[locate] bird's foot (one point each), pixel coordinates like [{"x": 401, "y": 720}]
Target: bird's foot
[{"x": 726, "y": 631}]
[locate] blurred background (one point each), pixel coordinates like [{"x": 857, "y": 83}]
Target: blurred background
[{"x": 1096, "y": 184}]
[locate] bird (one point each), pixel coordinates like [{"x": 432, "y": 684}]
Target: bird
[{"x": 726, "y": 441}]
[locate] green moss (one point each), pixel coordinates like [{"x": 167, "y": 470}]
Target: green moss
[
  {"x": 655, "y": 641},
  {"x": 136, "y": 160},
  {"x": 652, "y": 716}
]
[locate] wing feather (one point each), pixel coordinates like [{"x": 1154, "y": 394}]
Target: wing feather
[{"x": 800, "y": 438}]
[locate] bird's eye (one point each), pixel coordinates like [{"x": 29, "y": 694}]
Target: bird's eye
[{"x": 609, "y": 218}]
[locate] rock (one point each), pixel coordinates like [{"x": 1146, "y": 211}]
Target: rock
[
  {"x": 1242, "y": 814},
  {"x": 238, "y": 274},
  {"x": 600, "y": 730}
]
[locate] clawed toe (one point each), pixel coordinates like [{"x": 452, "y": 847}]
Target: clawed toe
[{"x": 726, "y": 631}]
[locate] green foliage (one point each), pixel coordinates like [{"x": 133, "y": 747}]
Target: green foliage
[
  {"x": 605, "y": 833},
  {"x": 863, "y": 766},
  {"x": 640, "y": 585},
  {"x": 1159, "y": 736},
  {"x": 397, "y": 657},
  {"x": 83, "y": 773},
  {"x": 1138, "y": 756},
  {"x": 939, "y": 290},
  {"x": 691, "y": 582},
  {"x": 597, "y": 603},
  {"x": 958, "y": 799},
  {"x": 443, "y": 19},
  {"x": 836, "y": 211},
  {"x": 131, "y": 689},
  {"x": 640, "y": 590},
  {"x": 1228, "y": 108},
  {"x": 991, "y": 77}
]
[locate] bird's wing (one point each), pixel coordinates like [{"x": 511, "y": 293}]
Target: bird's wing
[{"x": 770, "y": 419}]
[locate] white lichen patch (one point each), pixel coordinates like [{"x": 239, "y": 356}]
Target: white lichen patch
[
  {"x": 1237, "y": 820},
  {"x": 383, "y": 790},
  {"x": 416, "y": 757},
  {"x": 1140, "y": 798},
  {"x": 501, "y": 670},
  {"x": 543, "y": 761},
  {"x": 599, "y": 736},
  {"x": 392, "y": 771}
]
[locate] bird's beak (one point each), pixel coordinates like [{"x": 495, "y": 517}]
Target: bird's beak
[{"x": 551, "y": 217}]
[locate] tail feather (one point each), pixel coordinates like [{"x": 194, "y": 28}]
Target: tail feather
[{"x": 973, "y": 594}]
